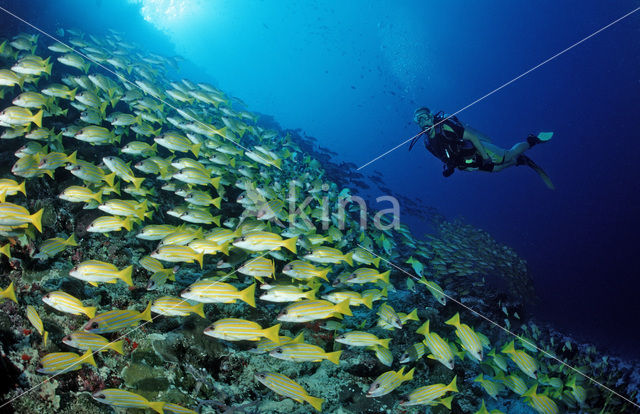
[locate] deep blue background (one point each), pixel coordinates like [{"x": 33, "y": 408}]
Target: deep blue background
[{"x": 351, "y": 75}]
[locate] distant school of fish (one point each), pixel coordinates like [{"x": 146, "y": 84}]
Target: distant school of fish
[{"x": 199, "y": 150}]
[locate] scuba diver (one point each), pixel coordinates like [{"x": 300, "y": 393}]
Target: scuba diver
[{"x": 462, "y": 147}]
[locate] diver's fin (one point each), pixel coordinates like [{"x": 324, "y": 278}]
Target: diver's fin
[
  {"x": 545, "y": 136},
  {"x": 523, "y": 159}
]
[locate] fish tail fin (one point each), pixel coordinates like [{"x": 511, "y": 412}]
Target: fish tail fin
[
  {"x": 446, "y": 401},
  {"x": 72, "y": 94},
  {"x": 117, "y": 346},
  {"x": 385, "y": 276},
  {"x": 137, "y": 182},
  {"x": 323, "y": 273},
  {"x": 423, "y": 329},
  {"x": 195, "y": 149},
  {"x": 127, "y": 223},
  {"x": 125, "y": 275},
  {"x": 311, "y": 295},
  {"x": 232, "y": 162},
  {"x": 6, "y": 250},
  {"x": 216, "y": 202},
  {"x": 87, "y": 358},
  {"x": 215, "y": 182},
  {"x": 454, "y": 321},
  {"x": 385, "y": 342},
  {"x": 47, "y": 69},
  {"x": 109, "y": 178},
  {"x": 37, "y": 118},
  {"x": 90, "y": 311},
  {"x": 509, "y": 348},
  {"x": 21, "y": 188},
  {"x": 413, "y": 315},
  {"x": 157, "y": 406},
  {"x": 146, "y": 313},
  {"x": 298, "y": 339},
  {"x": 531, "y": 391},
  {"x": 199, "y": 257},
  {"x": 290, "y": 244},
  {"x": 10, "y": 293},
  {"x": 154, "y": 147},
  {"x": 225, "y": 249},
  {"x": 36, "y": 219},
  {"x": 343, "y": 308},
  {"x": 199, "y": 310},
  {"x": 97, "y": 196},
  {"x": 248, "y": 295},
  {"x": 409, "y": 375},
  {"x": 376, "y": 262},
  {"x": 315, "y": 402},
  {"x": 272, "y": 334},
  {"x": 334, "y": 357},
  {"x": 452, "y": 385},
  {"x": 349, "y": 259},
  {"x": 368, "y": 301},
  {"x": 3, "y": 197},
  {"x": 45, "y": 338}
]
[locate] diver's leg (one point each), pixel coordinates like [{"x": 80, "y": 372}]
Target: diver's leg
[{"x": 515, "y": 151}]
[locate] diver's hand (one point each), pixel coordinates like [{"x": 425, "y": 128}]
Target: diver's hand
[
  {"x": 487, "y": 165},
  {"x": 448, "y": 171}
]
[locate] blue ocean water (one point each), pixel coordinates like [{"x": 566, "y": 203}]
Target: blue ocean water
[{"x": 352, "y": 74}]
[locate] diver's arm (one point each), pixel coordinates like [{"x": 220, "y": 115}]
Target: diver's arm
[{"x": 473, "y": 136}]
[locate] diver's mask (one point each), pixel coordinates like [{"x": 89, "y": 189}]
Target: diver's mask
[{"x": 423, "y": 117}]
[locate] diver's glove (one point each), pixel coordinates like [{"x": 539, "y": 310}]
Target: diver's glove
[
  {"x": 448, "y": 170},
  {"x": 487, "y": 165}
]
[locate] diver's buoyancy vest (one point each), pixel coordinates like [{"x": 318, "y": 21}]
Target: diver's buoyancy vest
[{"x": 448, "y": 144}]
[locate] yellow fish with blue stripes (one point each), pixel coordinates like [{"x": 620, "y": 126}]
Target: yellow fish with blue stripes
[
  {"x": 524, "y": 361},
  {"x": 15, "y": 215},
  {"x": 311, "y": 310},
  {"x": 214, "y": 291},
  {"x": 388, "y": 382},
  {"x": 86, "y": 340},
  {"x": 126, "y": 399},
  {"x": 117, "y": 320},
  {"x": 95, "y": 271},
  {"x": 36, "y": 322},
  {"x": 432, "y": 394},
  {"x": 67, "y": 303},
  {"x": 233, "y": 329},
  {"x": 283, "y": 385},
  {"x": 470, "y": 340},
  {"x": 61, "y": 362},
  {"x": 540, "y": 402}
]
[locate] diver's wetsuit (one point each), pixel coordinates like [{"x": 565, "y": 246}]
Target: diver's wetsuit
[{"x": 445, "y": 141}]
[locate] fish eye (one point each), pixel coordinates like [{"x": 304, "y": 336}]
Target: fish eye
[
  {"x": 94, "y": 325},
  {"x": 101, "y": 396},
  {"x": 375, "y": 386}
]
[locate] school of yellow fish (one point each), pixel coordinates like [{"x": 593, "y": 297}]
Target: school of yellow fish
[{"x": 174, "y": 164}]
